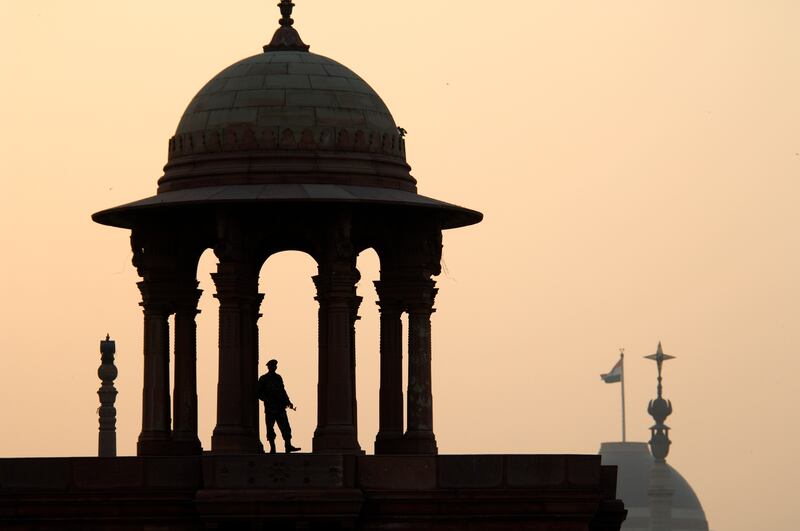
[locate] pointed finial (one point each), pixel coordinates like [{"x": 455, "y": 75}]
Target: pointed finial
[
  {"x": 659, "y": 357},
  {"x": 659, "y": 409},
  {"x": 286, "y": 38},
  {"x": 286, "y": 7}
]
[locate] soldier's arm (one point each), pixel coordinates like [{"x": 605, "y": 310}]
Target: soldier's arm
[
  {"x": 286, "y": 395},
  {"x": 282, "y": 392},
  {"x": 260, "y": 389}
]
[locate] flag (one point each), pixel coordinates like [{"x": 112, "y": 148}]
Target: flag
[{"x": 615, "y": 375}]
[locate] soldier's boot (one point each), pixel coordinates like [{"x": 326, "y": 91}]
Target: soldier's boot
[
  {"x": 272, "y": 447},
  {"x": 290, "y": 448}
]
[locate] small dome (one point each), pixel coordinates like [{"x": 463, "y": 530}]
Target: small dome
[
  {"x": 287, "y": 127},
  {"x": 290, "y": 89},
  {"x": 634, "y": 463},
  {"x": 287, "y": 117}
]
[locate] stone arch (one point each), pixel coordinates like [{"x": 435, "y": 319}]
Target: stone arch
[
  {"x": 207, "y": 349},
  {"x": 408, "y": 249},
  {"x": 367, "y": 351},
  {"x": 288, "y": 333}
]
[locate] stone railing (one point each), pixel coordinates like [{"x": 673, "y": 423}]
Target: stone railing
[{"x": 246, "y": 137}]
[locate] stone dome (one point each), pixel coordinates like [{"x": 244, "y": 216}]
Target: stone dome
[
  {"x": 287, "y": 127},
  {"x": 287, "y": 117},
  {"x": 634, "y": 463},
  {"x": 300, "y": 89}
]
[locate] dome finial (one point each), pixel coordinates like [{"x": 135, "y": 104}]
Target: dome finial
[
  {"x": 286, "y": 39},
  {"x": 659, "y": 409},
  {"x": 286, "y": 7}
]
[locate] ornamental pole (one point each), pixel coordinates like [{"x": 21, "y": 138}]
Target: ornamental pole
[{"x": 107, "y": 372}]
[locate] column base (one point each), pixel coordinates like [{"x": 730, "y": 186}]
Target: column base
[
  {"x": 186, "y": 447},
  {"x": 336, "y": 441},
  {"x": 389, "y": 443},
  {"x": 419, "y": 442},
  {"x": 235, "y": 442},
  {"x": 154, "y": 446}
]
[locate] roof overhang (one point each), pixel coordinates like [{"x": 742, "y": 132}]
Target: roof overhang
[{"x": 131, "y": 214}]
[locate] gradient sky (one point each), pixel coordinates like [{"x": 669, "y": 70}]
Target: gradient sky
[{"x": 637, "y": 163}]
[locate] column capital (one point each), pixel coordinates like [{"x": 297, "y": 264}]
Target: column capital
[
  {"x": 420, "y": 296},
  {"x": 156, "y": 298},
  {"x": 186, "y": 298},
  {"x": 415, "y": 246},
  {"x": 169, "y": 295},
  {"x": 236, "y": 283},
  {"x": 390, "y": 308},
  {"x": 336, "y": 287},
  {"x": 390, "y": 295},
  {"x": 412, "y": 296},
  {"x": 159, "y": 252}
]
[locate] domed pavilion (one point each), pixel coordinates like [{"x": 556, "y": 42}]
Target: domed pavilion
[{"x": 286, "y": 150}]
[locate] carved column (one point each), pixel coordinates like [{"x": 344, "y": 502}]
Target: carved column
[
  {"x": 419, "y": 436},
  {"x": 390, "y": 422},
  {"x": 336, "y": 422},
  {"x": 155, "y": 436},
  {"x": 354, "y": 305},
  {"x": 338, "y": 305},
  {"x": 184, "y": 429},
  {"x": 250, "y": 377},
  {"x": 322, "y": 365},
  {"x": 237, "y": 420}
]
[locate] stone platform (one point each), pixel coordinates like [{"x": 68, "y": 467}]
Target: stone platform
[{"x": 310, "y": 492}]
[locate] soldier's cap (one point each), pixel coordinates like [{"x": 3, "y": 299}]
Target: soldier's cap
[{"x": 272, "y": 363}]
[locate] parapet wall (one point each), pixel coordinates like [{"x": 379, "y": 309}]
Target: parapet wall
[{"x": 306, "y": 491}]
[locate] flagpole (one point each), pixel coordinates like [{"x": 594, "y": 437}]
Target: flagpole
[{"x": 622, "y": 380}]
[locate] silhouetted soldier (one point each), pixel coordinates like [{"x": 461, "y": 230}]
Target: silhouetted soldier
[{"x": 273, "y": 394}]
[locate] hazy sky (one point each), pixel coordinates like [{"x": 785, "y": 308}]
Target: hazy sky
[{"x": 637, "y": 163}]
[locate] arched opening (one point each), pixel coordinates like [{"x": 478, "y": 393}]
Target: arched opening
[
  {"x": 288, "y": 333},
  {"x": 207, "y": 349},
  {"x": 368, "y": 350}
]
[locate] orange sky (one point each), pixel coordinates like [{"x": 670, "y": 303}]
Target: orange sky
[{"x": 636, "y": 162}]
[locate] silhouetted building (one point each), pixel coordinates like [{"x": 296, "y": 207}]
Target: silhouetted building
[
  {"x": 634, "y": 464},
  {"x": 656, "y": 496},
  {"x": 289, "y": 150},
  {"x": 286, "y": 150}
]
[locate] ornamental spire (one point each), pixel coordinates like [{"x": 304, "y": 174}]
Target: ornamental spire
[
  {"x": 659, "y": 409},
  {"x": 107, "y": 438},
  {"x": 286, "y": 38}
]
